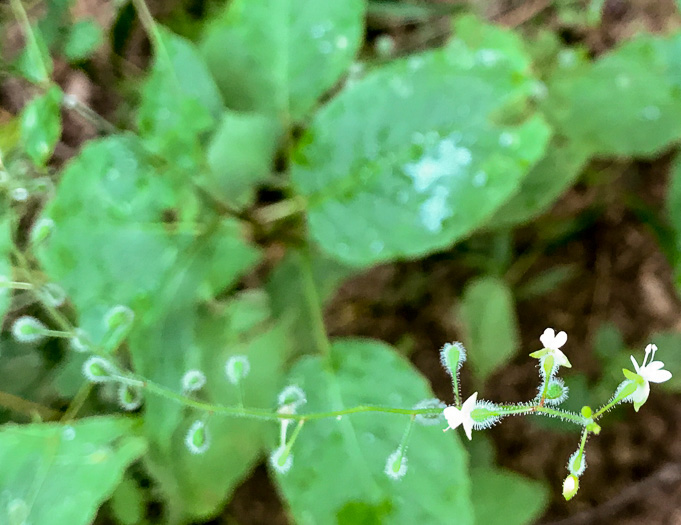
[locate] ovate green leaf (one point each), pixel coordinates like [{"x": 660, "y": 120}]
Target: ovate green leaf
[
  {"x": 241, "y": 154},
  {"x": 544, "y": 183},
  {"x": 111, "y": 244},
  {"x": 338, "y": 475},
  {"x": 279, "y": 56},
  {"x": 626, "y": 103},
  {"x": 55, "y": 474},
  {"x": 84, "y": 38},
  {"x": 41, "y": 125},
  {"x": 488, "y": 313},
  {"x": 196, "y": 486},
  {"x": 383, "y": 183},
  {"x": 180, "y": 101},
  {"x": 286, "y": 287},
  {"x": 502, "y": 497},
  {"x": 35, "y": 62}
]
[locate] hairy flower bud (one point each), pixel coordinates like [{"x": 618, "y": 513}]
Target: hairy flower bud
[
  {"x": 236, "y": 368},
  {"x": 99, "y": 370},
  {"x": 430, "y": 419},
  {"x": 452, "y": 357},
  {"x": 193, "y": 380},
  {"x": 281, "y": 459},
  {"x": 129, "y": 397},
  {"x": 197, "y": 439},
  {"x": 28, "y": 329},
  {"x": 292, "y": 396},
  {"x": 570, "y": 487},
  {"x": 396, "y": 465}
]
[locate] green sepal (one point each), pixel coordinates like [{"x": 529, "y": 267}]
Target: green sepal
[
  {"x": 594, "y": 427},
  {"x": 548, "y": 365},
  {"x": 540, "y": 353},
  {"x": 631, "y": 376}
]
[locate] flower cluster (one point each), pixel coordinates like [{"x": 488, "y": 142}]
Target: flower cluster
[{"x": 479, "y": 414}]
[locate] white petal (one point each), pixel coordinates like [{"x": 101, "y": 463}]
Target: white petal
[
  {"x": 561, "y": 358},
  {"x": 655, "y": 365},
  {"x": 469, "y": 405},
  {"x": 547, "y": 338},
  {"x": 641, "y": 393},
  {"x": 635, "y": 363},
  {"x": 468, "y": 427},
  {"x": 659, "y": 376},
  {"x": 560, "y": 340},
  {"x": 453, "y": 416}
]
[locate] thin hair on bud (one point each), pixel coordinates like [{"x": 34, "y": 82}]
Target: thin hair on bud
[
  {"x": 197, "y": 439},
  {"x": 292, "y": 396},
  {"x": 446, "y": 352},
  {"x": 577, "y": 463},
  {"x": 396, "y": 465},
  {"x": 430, "y": 419},
  {"x": 280, "y": 460},
  {"x": 99, "y": 370},
  {"x": 193, "y": 380},
  {"x": 490, "y": 419},
  {"x": 236, "y": 368},
  {"x": 129, "y": 397},
  {"x": 28, "y": 329}
]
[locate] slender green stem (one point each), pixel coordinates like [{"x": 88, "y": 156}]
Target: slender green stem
[
  {"x": 625, "y": 392},
  {"x": 56, "y": 315},
  {"x": 516, "y": 410},
  {"x": 22, "y": 17},
  {"x": 15, "y": 285},
  {"x": 455, "y": 388},
  {"x": 263, "y": 414},
  {"x": 294, "y": 436},
  {"x": 314, "y": 305},
  {"x": 280, "y": 210},
  {"x": 240, "y": 390},
  {"x": 407, "y": 433}
]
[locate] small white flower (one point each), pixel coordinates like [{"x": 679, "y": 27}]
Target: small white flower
[
  {"x": 462, "y": 416},
  {"x": 552, "y": 342},
  {"x": 650, "y": 371}
]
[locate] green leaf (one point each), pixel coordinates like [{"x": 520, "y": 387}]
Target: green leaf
[
  {"x": 128, "y": 503},
  {"x": 383, "y": 184},
  {"x": 241, "y": 155},
  {"x": 608, "y": 343},
  {"x": 41, "y": 125},
  {"x": 228, "y": 255},
  {"x": 546, "y": 281},
  {"x": 83, "y": 40},
  {"x": 545, "y": 182},
  {"x": 111, "y": 244},
  {"x": 279, "y": 57},
  {"x": 5, "y": 264},
  {"x": 55, "y": 474},
  {"x": 488, "y": 313},
  {"x": 180, "y": 101},
  {"x": 286, "y": 287},
  {"x": 626, "y": 103},
  {"x": 502, "y": 497},
  {"x": 196, "y": 486},
  {"x": 35, "y": 62},
  {"x": 338, "y": 468}
]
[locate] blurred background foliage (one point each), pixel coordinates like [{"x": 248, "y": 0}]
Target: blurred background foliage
[{"x": 252, "y": 176}]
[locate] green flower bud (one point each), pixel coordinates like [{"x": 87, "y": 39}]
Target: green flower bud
[{"x": 570, "y": 487}]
